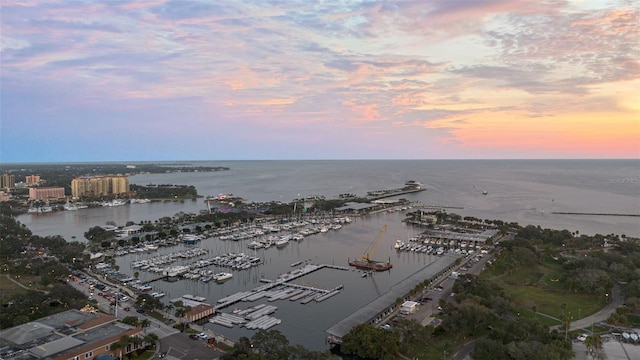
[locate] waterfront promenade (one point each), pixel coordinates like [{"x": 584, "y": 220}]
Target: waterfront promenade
[{"x": 376, "y": 310}]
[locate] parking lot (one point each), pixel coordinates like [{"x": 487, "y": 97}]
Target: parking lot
[{"x": 181, "y": 346}]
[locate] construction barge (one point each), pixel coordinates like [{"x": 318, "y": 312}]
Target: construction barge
[
  {"x": 371, "y": 265},
  {"x": 365, "y": 262}
]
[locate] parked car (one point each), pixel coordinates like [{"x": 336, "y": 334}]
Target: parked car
[
  {"x": 127, "y": 309},
  {"x": 203, "y": 336},
  {"x": 194, "y": 336}
]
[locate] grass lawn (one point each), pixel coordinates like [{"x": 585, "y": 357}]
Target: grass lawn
[
  {"x": 157, "y": 315},
  {"x": 148, "y": 354},
  {"x": 441, "y": 347},
  {"x": 526, "y": 313},
  {"x": 537, "y": 286},
  {"x": 8, "y": 288}
]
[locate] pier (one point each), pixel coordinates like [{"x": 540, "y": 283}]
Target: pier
[
  {"x": 257, "y": 317},
  {"x": 266, "y": 290},
  {"x": 391, "y": 193},
  {"x": 386, "y": 303}
]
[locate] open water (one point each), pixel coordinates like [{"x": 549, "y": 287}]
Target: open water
[{"x": 525, "y": 191}]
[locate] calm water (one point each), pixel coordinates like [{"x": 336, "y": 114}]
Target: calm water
[
  {"x": 526, "y": 191},
  {"x": 523, "y": 191}
]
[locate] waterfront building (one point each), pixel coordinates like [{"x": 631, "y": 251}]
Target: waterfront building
[
  {"x": 46, "y": 193},
  {"x": 96, "y": 186},
  {"x": 200, "y": 311},
  {"x": 32, "y": 179},
  {"x": 68, "y": 335},
  {"x": 7, "y": 181}
]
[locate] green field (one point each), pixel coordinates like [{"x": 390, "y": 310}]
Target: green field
[
  {"x": 538, "y": 286},
  {"x": 8, "y": 288}
]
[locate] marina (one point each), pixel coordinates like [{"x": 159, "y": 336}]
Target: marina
[
  {"x": 444, "y": 182},
  {"x": 256, "y": 317},
  {"x": 281, "y": 289}
]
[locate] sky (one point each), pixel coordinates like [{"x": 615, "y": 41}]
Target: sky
[{"x": 149, "y": 80}]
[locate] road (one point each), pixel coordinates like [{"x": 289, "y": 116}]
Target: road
[
  {"x": 616, "y": 300},
  {"x": 157, "y": 327}
]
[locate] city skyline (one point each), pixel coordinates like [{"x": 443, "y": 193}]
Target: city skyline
[{"x": 240, "y": 80}]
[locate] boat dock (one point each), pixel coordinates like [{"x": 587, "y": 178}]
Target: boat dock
[
  {"x": 283, "y": 281},
  {"x": 257, "y": 317},
  {"x": 374, "y": 311}
]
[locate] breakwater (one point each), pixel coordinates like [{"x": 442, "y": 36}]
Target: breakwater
[{"x": 593, "y": 214}]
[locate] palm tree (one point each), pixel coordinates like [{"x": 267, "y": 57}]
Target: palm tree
[
  {"x": 169, "y": 307},
  {"x": 145, "y": 323},
  {"x": 566, "y": 324},
  {"x": 588, "y": 342},
  {"x": 597, "y": 346},
  {"x": 116, "y": 348},
  {"x": 151, "y": 339}
]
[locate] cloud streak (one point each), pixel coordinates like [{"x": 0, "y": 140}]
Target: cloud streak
[{"x": 446, "y": 78}]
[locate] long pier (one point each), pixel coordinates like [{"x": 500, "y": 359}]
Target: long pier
[
  {"x": 373, "y": 311},
  {"x": 282, "y": 280},
  {"x": 393, "y": 193}
]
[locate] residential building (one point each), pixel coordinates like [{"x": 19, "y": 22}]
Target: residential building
[
  {"x": 69, "y": 335},
  {"x": 4, "y": 196},
  {"x": 97, "y": 186},
  {"x": 46, "y": 193},
  {"x": 32, "y": 179},
  {"x": 7, "y": 181}
]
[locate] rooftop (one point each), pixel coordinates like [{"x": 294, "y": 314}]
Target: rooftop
[{"x": 58, "y": 333}]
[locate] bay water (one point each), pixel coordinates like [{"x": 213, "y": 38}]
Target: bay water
[{"x": 525, "y": 191}]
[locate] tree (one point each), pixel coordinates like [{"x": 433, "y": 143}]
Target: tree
[
  {"x": 366, "y": 341},
  {"x": 270, "y": 343},
  {"x": 182, "y": 311},
  {"x": 151, "y": 339},
  {"x": 594, "y": 346},
  {"x": 131, "y": 320},
  {"x": 566, "y": 324}
]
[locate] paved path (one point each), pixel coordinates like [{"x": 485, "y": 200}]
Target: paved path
[
  {"x": 615, "y": 300},
  {"x": 16, "y": 282},
  {"x": 23, "y": 286}
]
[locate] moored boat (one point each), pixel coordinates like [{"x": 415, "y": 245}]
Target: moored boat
[{"x": 223, "y": 276}]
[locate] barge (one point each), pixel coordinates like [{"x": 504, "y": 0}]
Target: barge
[{"x": 371, "y": 265}]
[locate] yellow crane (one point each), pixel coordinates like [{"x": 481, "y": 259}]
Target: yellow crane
[{"x": 368, "y": 254}]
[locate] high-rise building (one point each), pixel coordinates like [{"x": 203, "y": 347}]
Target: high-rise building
[
  {"x": 31, "y": 179},
  {"x": 46, "y": 193},
  {"x": 7, "y": 181},
  {"x": 96, "y": 186}
]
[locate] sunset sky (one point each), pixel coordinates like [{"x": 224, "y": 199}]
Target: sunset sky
[{"x": 279, "y": 79}]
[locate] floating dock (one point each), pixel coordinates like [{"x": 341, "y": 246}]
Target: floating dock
[
  {"x": 283, "y": 280},
  {"x": 257, "y": 317}
]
